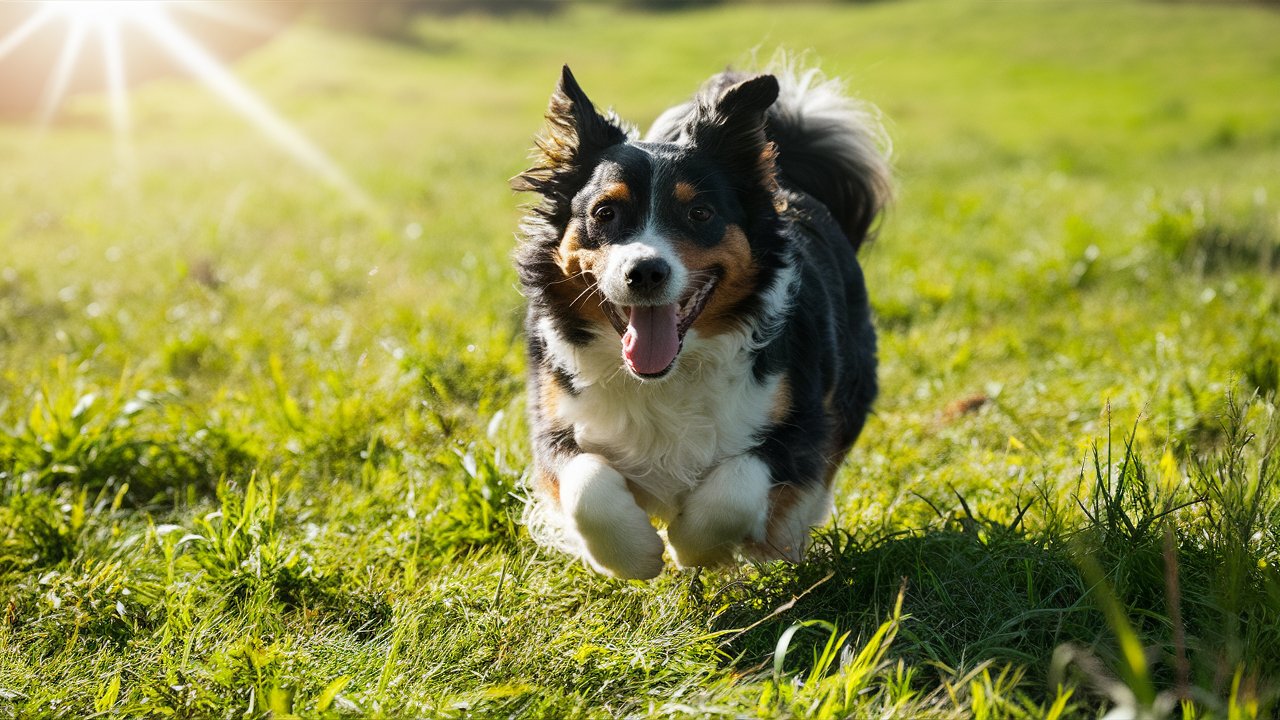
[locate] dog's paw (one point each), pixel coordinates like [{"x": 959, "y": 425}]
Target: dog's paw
[
  {"x": 617, "y": 537},
  {"x": 791, "y": 550},
  {"x": 729, "y": 508},
  {"x": 794, "y": 512}
]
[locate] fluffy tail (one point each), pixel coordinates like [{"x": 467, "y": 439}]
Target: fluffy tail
[{"x": 829, "y": 145}]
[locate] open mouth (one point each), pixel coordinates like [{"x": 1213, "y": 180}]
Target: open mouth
[{"x": 652, "y": 335}]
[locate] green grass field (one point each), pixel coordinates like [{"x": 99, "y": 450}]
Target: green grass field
[{"x": 261, "y": 447}]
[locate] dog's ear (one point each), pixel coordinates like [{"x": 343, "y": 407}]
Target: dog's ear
[
  {"x": 731, "y": 128},
  {"x": 574, "y": 137}
]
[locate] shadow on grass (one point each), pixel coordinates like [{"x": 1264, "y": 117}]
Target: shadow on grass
[
  {"x": 971, "y": 595},
  {"x": 1165, "y": 576}
]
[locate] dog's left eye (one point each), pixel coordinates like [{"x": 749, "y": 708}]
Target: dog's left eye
[{"x": 700, "y": 213}]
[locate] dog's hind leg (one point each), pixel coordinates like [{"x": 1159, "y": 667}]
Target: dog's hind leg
[
  {"x": 617, "y": 537},
  {"x": 793, "y": 512},
  {"x": 728, "y": 508}
]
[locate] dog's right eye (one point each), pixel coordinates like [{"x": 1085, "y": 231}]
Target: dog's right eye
[{"x": 604, "y": 213}]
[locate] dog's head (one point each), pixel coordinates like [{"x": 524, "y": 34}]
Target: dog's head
[{"x": 652, "y": 239}]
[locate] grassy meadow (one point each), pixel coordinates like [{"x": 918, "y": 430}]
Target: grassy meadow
[{"x": 261, "y": 444}]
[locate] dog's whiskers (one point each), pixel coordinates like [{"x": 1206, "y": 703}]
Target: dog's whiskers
[
  {"x": 589, "y": 289},
  {"x": 616, "y": 371},
  {"x": 574, "y": 276}
]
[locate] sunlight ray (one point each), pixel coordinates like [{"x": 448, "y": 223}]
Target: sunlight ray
[
  {"x": 113, "y": 66},
  {"x": 23, "y": 31},
  {"x": 218, "y": 79},
  {"x": 61, "y": 77}
]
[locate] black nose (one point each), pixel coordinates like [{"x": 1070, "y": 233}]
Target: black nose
[{"x": 648, "y": 275}]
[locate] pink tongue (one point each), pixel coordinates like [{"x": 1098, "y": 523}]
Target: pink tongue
[{"x": 651, "y": 341}]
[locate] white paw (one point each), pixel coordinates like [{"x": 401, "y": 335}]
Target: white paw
[
  {"x": 617, "y": 537},
  {"x": 730, "y": 507}
]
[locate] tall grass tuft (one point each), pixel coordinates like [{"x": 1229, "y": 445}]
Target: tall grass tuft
[
  {"x": 1186, "y": 575},
  {"x": 93, "y": 436},
  {"x": 839, "y": 680}
]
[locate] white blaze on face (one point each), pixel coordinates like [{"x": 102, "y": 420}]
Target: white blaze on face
[
  {"x": 647, "y": 246},
  {"x": 652, "y": 339}
]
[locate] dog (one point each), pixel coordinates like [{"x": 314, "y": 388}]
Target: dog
[{"x": 700, "y": 343}]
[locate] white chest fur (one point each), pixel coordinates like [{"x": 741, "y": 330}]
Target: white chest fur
[{"x": 665, "y": 435}]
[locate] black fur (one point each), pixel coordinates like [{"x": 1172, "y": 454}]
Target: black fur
[{"x": 811, "y": 157}]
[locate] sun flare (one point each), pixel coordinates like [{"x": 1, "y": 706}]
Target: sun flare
[
  {"x": 97, "y": 12},
  {"x": 111, "y": 25}
]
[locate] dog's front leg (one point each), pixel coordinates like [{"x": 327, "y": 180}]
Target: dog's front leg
[
  {"x": 730, "y": 507},
  {"x": 616, "y": 534}
]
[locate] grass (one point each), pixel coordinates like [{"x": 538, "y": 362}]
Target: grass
[{"x": 261, "y": 450}]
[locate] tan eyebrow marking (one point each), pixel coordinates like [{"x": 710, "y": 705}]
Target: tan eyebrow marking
[
  {"x": 617, "y": 192},
  {"x": 685, "y": 192}
]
